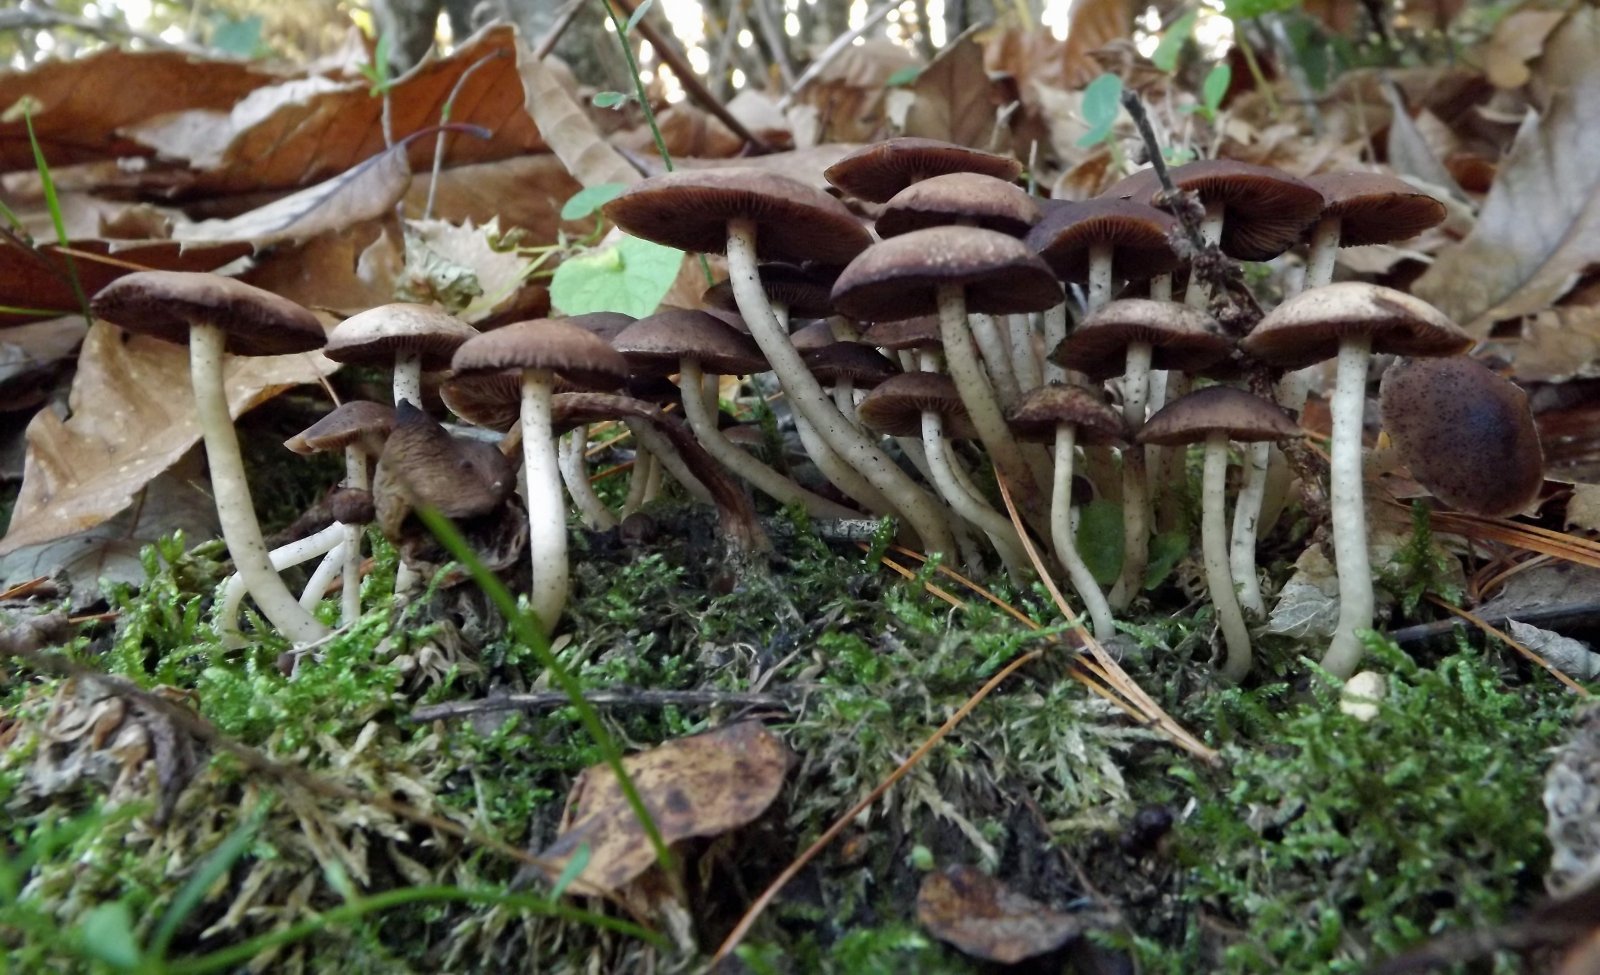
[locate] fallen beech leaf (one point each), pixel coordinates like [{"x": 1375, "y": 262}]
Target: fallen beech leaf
[
  {"x": 805, "y": 165},
  {"x": 629, "y": 276},
  {"x": 1516, "y": 40},
  {"x": 1540, "y": 227},
  {"x": 85, "y": 103},
  {"x": 704, "y": 785},
  {"x": 132, "y": 417},
  {"x": 986, "y": 919},
  {"x": 345, "y": 272},
  {"x": 38, "y": 278},
  {"x": 846, "y": 102},
  {"x": 468, "y": 270},
  {"x": 952, "y": 100},
  {"x": 31, "y": 356},
  {"x": 525, "y": 192},
  {"x": 572, "y": 136}
]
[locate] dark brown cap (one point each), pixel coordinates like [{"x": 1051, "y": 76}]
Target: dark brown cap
[
  {"x": 1243, "y": 416},
  {"x": 1465, "y": 432},
  {"x": 606, "y": 324},
  {"x": 165, "y": 304},
  {"x": 1307, "y": 328},
  {"x": 982, "y": 201},
  {"x": 861, "y": 364},
  {"x": 808, "y": 336},
  {"x": 1037, "y": 414},
  {"x": 879, "y": 171},
  {"x": 657, "y": 343},
  {"x": 1180, "y": 337},
  {"x": 422, "y": 464},
  {"x": 690, "y": 209},
  {"x": 906, "y": 333},
  {"x": 1267, "y": 209},
  {"x": 545, "y": 343},
  {"x": 895, "y": 406},
  {"x": 490, "y": 399},
  {"x": 352, "y": 506},
  {"x": 377, "y": 335},
  {"x": 805, "y": 294},
  {"x": 358, "y": 420},
  {"x": 900, "y": 277},
  {"x": 1375, "y": 208},
  {"x": 1138, "y": 235}
]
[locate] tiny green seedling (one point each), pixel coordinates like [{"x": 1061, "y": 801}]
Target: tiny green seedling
[
  {"x": 376, "y": 71},
  {"x": 1102, "y": 103},
  {"x": 904, "y": 77},
  {"x": 1166, "y": 53}
]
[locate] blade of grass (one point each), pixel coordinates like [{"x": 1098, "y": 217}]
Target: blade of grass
[
  {"x": 217, "y": 863},
  {"x": 52, "y": 201}
]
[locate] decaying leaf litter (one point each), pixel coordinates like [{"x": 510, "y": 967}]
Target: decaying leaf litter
[{"x": 1005, "y": 813}]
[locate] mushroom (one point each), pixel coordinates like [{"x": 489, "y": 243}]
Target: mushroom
[
  {"x": 1068, "y": 416},
  {"x": 1364, "y": 208},
  {"x": 540, "y": 348},
  {"x": 1214, "y": 415},
  {"x": 877, "y": 172},
  {"x": 215, "y": 316},
  {"x": 409, "y": 337},
  {"x": 1350, "y": 321},
  {"x": 1465, "y": 432},
  {"x": 724, "y": 210}
]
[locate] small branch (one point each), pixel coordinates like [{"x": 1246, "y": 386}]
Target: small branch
[
  {"x": 552, "y": 37},
  {"x": 1191, "y": 227},
  {"x": 832, "y": 51},
  {"x": 775, "y": 40},
  {"x": 621, "y": 697}
]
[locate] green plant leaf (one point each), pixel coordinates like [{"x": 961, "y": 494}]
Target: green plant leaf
[
  {"x": 1166, "y": 551},
  {"x": 608, "y": 99},
  {"x": 1102, "y": 100},
  {"x": 1246, "y": 9},
  {"x": 638, "y": 15},
  {"x": 241, "y": 36},
  {"x": 107, "y": 932},
  {"x": 1215, "y": 87},
  {"x": 1166, "y": 53},
  {"x": 569, "y": 873},
  {"x": 1100, "y": 539},
  {"x": 589, "y": 199},
  {"x": 903, "y": 77},
  {"x": 631, "y": 276}
]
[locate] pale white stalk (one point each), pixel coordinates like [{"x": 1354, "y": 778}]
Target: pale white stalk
[
  {"x": 1199, "y": 293},
  {"x": 547, "y": 511},
  {"x": 809, "y": 401},
  {"x": 1100, "y": 255},
  {"x": 231, "y": 488},
  {"x": 838, "y": 473},
  {"x": 1324, "y": 248},
  {"x": 575, "y": 473},
  {"x": 1063, "y": 539},
  {"x": 408, "y": 379},
  {"x": 1002, "y": 534},
  {"x": 1135, "y": 503},
  {"x": 1214, "y": 548},
  {"x": 356, "y": 478},
  {"x": 668, "y": 462},
  {"x": 1246, "y": 518},
  {"x": 1348, "y": 508},
  {"x": 644, "y": 464},
  {"x": 1024, "y": 357},
  {"x": 283, "y": 557},
  {"x": 330, "y": 566},
  {"x": 996, "y": 357},
  {"x": 1055, "y": 332}
]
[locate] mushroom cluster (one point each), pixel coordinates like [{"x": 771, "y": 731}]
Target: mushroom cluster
[{"x": 970, "y": 338}]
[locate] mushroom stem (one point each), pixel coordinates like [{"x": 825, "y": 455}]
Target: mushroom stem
[
  {"x": 1135, "y": 503},
  {"x": 575, "y": 472},
  {"x": 356, "y": 478},
  {"x": 1348, "y": 510},
  {"x": 1324, "y": 248},
  {"x": 811, "y": 403},
  {"x": 644, "y": 465},
  {"x": 1100, "y": 256},
  {"x": 964, "y": 369},
  {"x": 1246, "y": 517},
  {"x": 282, "y": 557},
  {"x": 1199, "y": 293},
  {"x": 1173, "y": 475},
  {"x": 1055, "y": 332},
  {"x": 996, "y": 357},
  {"x": 838, "y": 473},
  {"x": 765, "y": 479},
  {"x": 1061, "y": 536},
  {"x": 1214, "y": 548},
  {"x": 330, "y": 566},
  {"x": 408, "y": 378},
  {"x": 547, "y": 512},
  {"x": 1024, "y": 357},
  {"x": 235, "y": 511},
  {"x": 668, "y": 460},
  {"x": 987, "y": 520}
]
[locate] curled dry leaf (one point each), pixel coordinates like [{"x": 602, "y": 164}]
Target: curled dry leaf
[
  {"x": 40, "y": 279},
  {"x": 470, "y": 271},
  {"x": 524, "y": 193},
  {"x": 572, "y": 136},
  {"x": 953, "y": 100},
  {"x": 704, "y": 785},
  {"x": 988, "y": 920}
]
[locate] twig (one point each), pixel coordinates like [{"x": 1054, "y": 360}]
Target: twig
[
  {"x": 730, "y": 33},
  {"x": 775, "y": 41},
  {"x": 1546, "y": 616},
  {"x": 668, "y": 52},
  {"x": 620, "y": 697},
  {"x": 1141, "y": 119},
  {"x": 833, "y": 50},
  {"x": 552, "y": 37},
  {"x": 444, "y": 120},
  {"x": 1511, "y": 642}
]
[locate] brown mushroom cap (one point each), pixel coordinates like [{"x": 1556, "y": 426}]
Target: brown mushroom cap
[
  {"x": 1180, "y": 337},
  {"x": 377, "y": 335},
  {"x": 879, "y": 171},
  {"x": 1307, "y": 328},
  {"x": 895, "y": 406},
  {"x": 1138, "y": 234},
  {"x": 862, "y": 365},
  {"x": 1037, "y": 414},
  {"x": 967, "y": 198},
  {"x": 805, "y": 294},
  {"x": 690, "y": 209},
  {"x": 1465, "y": 432},
  {"x": 545, "y": 343},
  {"x": 657, "y": 343},
  {"x": 486, "y": 398},
  {"x": 422, "y": 464},
  {"x": 1267, "y": 209},
  {"x": 812, "y": 335},
  {"x": 165, "y": 304},
  {"x": 349, "y": 422},
  {"x": 1243, "y": 416},
  {"x": 1375, "y": 208},
  {"x": 606, "y": 324},
  {"x": 907, "y": 333},
  {"x": 900, "y": 277}
]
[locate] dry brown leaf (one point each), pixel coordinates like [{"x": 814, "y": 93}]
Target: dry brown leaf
[
  {"x": 704, "y": 785},
  {"x": 1583, "y": 508},
  {"x": 345, "y": 272},
  {"x": 805, "y": 165},
  {"x": 846, "y": 102},
  {"x": 307, "y": 130},
  {"x": 1539, "y": 229},
  {"x": 526, "y": 192},
  {"x": 1516, "y": 40},
  {"x": 687, "y": 131},
  {"x": 953, "y": 101},
  {"x": 572, "y": 135},
  {"x": 132, "y": 417},
  {"x": 39, "y": 278},
  {"x": 986, "y": 919},
  {"x": 84, "y": 104},
  {"x": 1558, "y": 344},
  {"x": 1417, "y": 146},
  {"x": 31, "y": 356},
  {"x": 465, "y": 268}
]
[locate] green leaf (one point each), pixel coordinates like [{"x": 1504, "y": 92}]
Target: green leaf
[
  {"x": 241, "y": 36},
  {"x": 107, "y": 932},
  {"x": 638, "y": 15},
  {"x": 589, "y": 199},
  {"x": 1102, "y": 100},
  {"x": 630, "y": 276},
  {"x": 1215, "y": 87},
  {"x": 569, "y": 873},
  {"x": 1166, "y": 551},
  {"x": 1166, "y": 53},
  {"x": 1246, "y": 9},
  {"x": 903, "y": 77},
  {"x": 1100, "y": 541},
  {"x": 608, "y": 99}
]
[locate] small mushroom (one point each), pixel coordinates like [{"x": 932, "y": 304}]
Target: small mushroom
[
  {"x": 409, "y": 337},
  {"x": 877, "y": 172}
]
